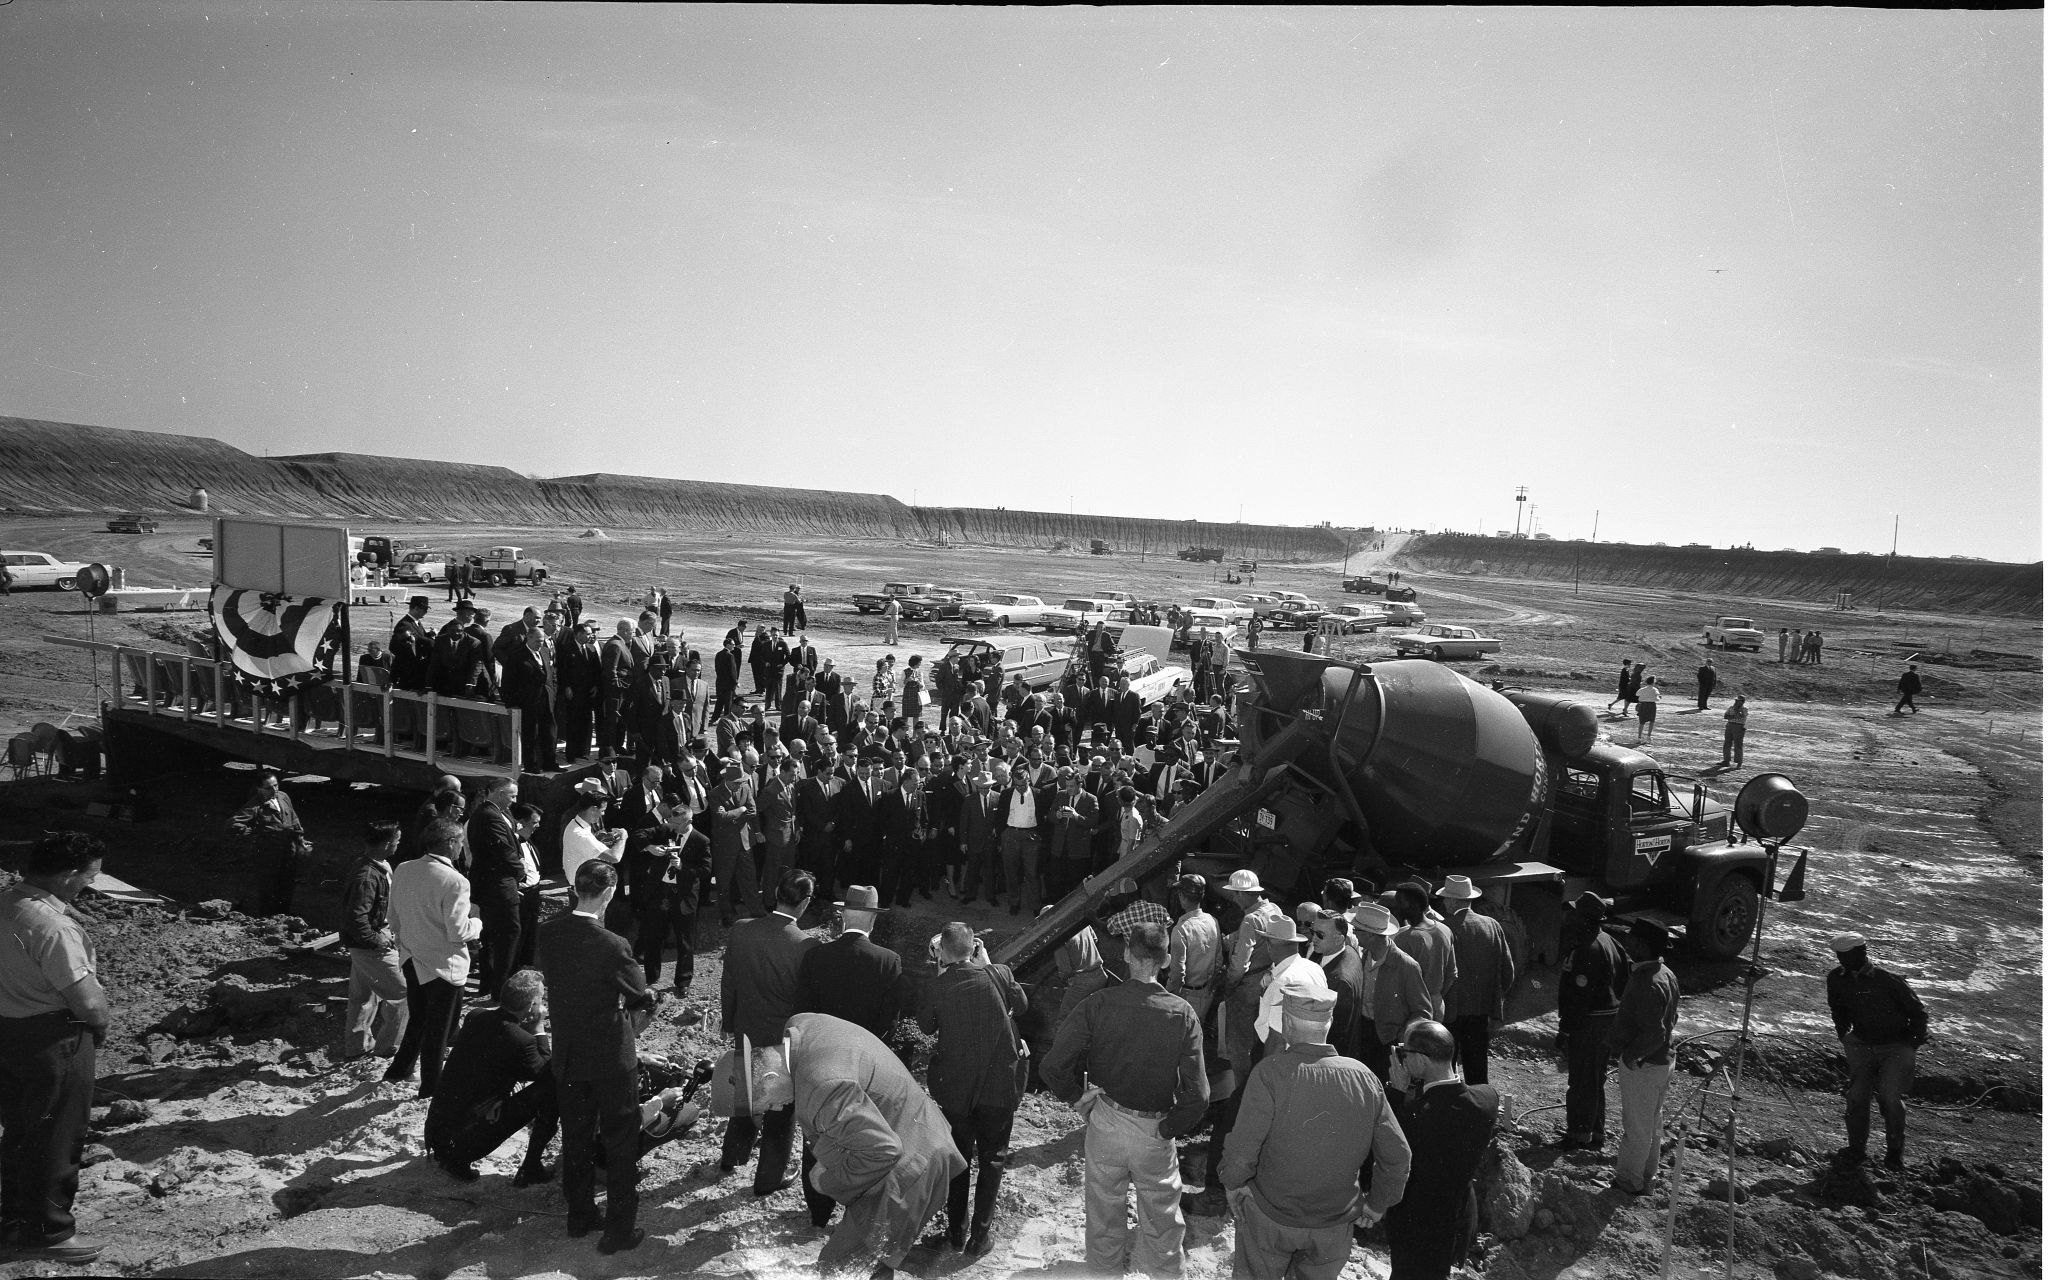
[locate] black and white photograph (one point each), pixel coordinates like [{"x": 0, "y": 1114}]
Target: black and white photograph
[{"x": 851, "y": 640}]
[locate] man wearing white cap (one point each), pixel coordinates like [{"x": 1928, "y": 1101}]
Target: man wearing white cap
[
  {"x": 1310, "y": 1122},
  {"x": 1250, "y": 1024},
  {"x": 1881, "y": 1024},
  {"x": 1486, "y": 973}
]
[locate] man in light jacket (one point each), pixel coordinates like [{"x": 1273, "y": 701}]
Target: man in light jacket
[{"x": 431, "y": 920}]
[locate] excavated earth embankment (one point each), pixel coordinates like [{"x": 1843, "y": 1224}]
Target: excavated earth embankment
[
  {"x": 1904, "y": 582},
  {"x": 66, "y": 468}
]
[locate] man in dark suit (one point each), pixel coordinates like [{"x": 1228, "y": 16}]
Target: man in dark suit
[
  {"x": 970, "y": 1005},
  {"x": 817, "y": 797},
  {"x": 601, "y": 1003},
  {"x": 496, "y": 864},
  {"x": 480, "y": 1101},
  {"x": 579, "y": 681},
  {"x": 460, "y": 664},
  {"x": 411, "y": 648},
  {"x": 850, "y": 977},
  {"x": 1448, "y": 1125},
  {"x": 618, "y": 665},
  {"x": 757, "y": 993},
  {"x": 1125, "y": 713},
  {"x": 855, "y": 828},
  {"x": 527, "y": 661},
  {"x": 1070, "y": 854}
]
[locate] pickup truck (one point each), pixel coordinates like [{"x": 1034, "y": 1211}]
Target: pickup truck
[
  {"x": 421, "y": 566},
  {"x": 1735, "y": 633},
  {"x": 944, "y": 604},
  {"x": 1365, "y": 586},
  {"x": 1038, "y": 663},
  {"x": 872, "y": 601},
  {"x": 504, "y": 566},
  {"x": 1441, "y": 643},
  {"x": 1003, "y": 609},
  {"x": 1078, "y": 613}
]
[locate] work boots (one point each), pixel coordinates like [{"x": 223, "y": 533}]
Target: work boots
[{"x": 985, "y": 1188}]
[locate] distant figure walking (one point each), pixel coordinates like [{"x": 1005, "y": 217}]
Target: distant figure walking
[
  {"x": 1736, "y": 723},
  {"x": 1646, "y": 709},
  {"x": 1909, "y": 686},
  {"x": 1621, "y": 688}
]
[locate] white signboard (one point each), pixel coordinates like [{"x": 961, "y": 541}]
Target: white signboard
[{"x": 287, "y": 559}]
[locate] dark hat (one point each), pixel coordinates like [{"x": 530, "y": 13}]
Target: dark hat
[
  {"x": 465, "y": 606},
  {"x": 421, "y": 600},
  {"x": 1591, "y": 906},
  {"x": 1649, "y": 931}
]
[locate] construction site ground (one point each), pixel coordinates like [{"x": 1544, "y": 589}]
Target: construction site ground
[{"x": 232, "y": 1145}]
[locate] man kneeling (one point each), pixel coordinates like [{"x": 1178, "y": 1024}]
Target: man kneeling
[{"x": 480, "y": 1103}]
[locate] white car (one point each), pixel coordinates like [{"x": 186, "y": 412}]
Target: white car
[
  {"x": 1148, "y": 661},
  {"x": 1077, "y": 613},
  {"x": 421, "y": 566},
  {"x": 1734, "y": 633},
  {"x": 1292, "y": 595},
  {"x": 1220, "y": 604},
  {"x": 40, "y": 569},
  {"x": 1004, "y": 609}
]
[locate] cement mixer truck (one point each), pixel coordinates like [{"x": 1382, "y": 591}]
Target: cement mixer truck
[{"x": 1406, "y": 767}]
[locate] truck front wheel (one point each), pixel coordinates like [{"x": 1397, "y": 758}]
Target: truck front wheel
[{"x": 1723, "y": 928}]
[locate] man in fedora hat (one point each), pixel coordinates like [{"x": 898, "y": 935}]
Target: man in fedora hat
[
  {"x": 411, "y": 647},
  {"x": 1311, "y": 1120},
  {"x": 1642, "y": 1039},
  {"x": 1486, "y": 973},
  {"x": 1590, "y": 981},
  {"x": 851, "y": 977},
  {"x": 1392, "y": 994},
  {"x": 1881, "y": 1024}
]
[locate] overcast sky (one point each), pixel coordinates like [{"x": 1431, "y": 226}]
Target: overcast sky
[{"x": 1723, "y": 276}]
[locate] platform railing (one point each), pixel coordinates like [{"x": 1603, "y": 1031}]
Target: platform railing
[{"x": 190, "y": 688}]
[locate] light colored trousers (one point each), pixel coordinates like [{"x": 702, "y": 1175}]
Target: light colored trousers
[
  {"x": 1642, "y": 1107},
  {"x": 376, "y": 998},
  {"x": 1266, "y": 1250},
  {"x": 1126, "y": 1153}
]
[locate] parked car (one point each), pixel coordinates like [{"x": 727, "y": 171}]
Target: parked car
[
  {"x": 507, "y": 565},
  {"x": 1203, "y": 623},
  {"x": 1350, "y": 619},
  {"x": 1259, "y": 603},
  {"x": 1037, "y": 662},
  {"x": 131, "y": 524},
  {"x": 1221, "y": 604},
  {"x": 944, "y": 604},
  {"x": 1442, "y": 643},
  {"x": 41, "y": 569},
  {"x": 1288, "y": 595},
  {"x": 1295, "y": 615},
  {"x": 1003, "y": 609},
  {"x": 1148, "y": 661},
  {"x": 1078, "y": 613},
  {"x": 1735, "y": 633},
  {"x": 872, "y": 601},
  {"x": 421, "y": 567},
  {"x": 1401, "y": 593},
  {"x": 1402, "y": 614},
  {"x": 1365, "y": 585}
]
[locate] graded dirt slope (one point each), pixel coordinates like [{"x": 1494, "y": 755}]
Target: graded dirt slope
[
  {"x": 1743, "y": 576},
  {"x": 65, "y": 468}
]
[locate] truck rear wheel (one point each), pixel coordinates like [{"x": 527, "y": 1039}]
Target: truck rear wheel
[
  {"x": 501, "y": 579},
  {"x": 1723, "y": 927}
]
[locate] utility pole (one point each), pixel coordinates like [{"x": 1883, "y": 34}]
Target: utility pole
[
  {"x": 1521, "y": 496},
  {"x": 1596, "y": 524}
]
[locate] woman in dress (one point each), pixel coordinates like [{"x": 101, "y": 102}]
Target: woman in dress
[
  {"x": 884, "y": 687},
  {"x": 913, "y": 691}
]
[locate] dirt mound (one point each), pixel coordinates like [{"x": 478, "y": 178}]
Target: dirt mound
[
  {"x": 1946, "y": 586},
  {"x": 106, "y": 469}
]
